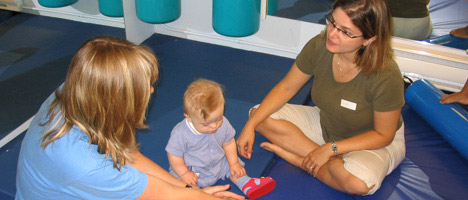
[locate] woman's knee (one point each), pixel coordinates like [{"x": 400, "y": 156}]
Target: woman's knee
[
  {"x": 348, "y": 182},
  {"x": 264, "y": 126},
  {"x": 356, "y": 186}
]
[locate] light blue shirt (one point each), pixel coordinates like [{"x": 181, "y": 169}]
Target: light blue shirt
[
  {"x": 70, "y": 168},
  {"x": 203, "y": 153}
]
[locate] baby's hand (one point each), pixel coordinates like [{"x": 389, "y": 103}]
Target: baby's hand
[
  {"x": 190, "y": 178},
  {"x": 237, "y": 170}
]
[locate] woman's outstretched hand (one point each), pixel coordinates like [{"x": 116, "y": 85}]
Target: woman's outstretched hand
[
  {"x": 220, "y": 191},
  {"x": 245, "y": 142}
]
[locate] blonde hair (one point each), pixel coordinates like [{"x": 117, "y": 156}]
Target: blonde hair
[
  {"x": 373, "y": 18},
  {"x": 203, "y": 97},
  {"x": 106, "y": 92}
]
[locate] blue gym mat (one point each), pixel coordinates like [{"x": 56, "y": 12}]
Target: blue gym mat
[{"x": 432, "y": 168}]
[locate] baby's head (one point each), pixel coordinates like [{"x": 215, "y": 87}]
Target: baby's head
[{"x": 204, "y": 105}]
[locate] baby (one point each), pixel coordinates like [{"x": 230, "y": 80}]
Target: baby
[{"x": 202, "y": 149}]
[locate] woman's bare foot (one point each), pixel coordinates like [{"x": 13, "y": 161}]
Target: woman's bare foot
[
  {"x": 271, "y": 147},
  {"x": 286, "y": 155},
  {"x": 460, "y": 32}
]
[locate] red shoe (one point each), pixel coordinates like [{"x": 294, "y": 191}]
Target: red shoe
[{"x": 258, "y": 187}]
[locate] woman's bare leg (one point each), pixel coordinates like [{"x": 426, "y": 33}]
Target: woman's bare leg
[
  {"x": 332, "y": 173},
  {"x": 336, "y": 176},
  {"x": 287, "y": 136},
  {"x": 290, "y": 143}
]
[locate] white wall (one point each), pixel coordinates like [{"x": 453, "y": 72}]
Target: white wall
[
  {"x": 445, "y": 67},
  {"x": 84, "y": 11},
  {"x": 276, "y": 36}
]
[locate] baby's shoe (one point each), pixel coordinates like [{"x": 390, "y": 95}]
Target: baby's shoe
[{"x": 257, "y": 187}]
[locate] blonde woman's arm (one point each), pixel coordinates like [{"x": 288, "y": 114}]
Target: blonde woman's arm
[
  {"x": 162, "y": 185},
  {"x": 159, "y": 189},
  {"x": 147, "y": 166}
]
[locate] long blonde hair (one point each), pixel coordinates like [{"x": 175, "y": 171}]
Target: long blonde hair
[
  {"x": 106, "y": 92},
  {"x": 373, "y": 18}
]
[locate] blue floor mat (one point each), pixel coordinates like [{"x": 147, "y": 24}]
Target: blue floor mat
[
  {"x": 37, "y": 47},
  {"x": 31, "y": 76},
  {"x": 35, "y": 52},
  {"x": 431, "y": 170}
]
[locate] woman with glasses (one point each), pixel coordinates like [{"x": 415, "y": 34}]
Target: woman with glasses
[{"x": 354, "y": 136}]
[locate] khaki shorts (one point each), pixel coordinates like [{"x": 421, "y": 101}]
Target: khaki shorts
[
  {"x": 412, "y": 28},
  {"x": 371, "y": 166}
]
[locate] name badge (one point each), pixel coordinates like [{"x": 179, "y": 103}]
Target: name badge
[{"x": 348, "y": 104}]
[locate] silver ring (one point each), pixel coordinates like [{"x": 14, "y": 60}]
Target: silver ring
[{"x": 311, "y": 168}]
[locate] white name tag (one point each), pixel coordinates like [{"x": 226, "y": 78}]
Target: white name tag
[{"x": 348, "y": 104}]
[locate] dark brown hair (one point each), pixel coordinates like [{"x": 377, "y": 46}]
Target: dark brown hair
[{"x": 373, "y": 18}]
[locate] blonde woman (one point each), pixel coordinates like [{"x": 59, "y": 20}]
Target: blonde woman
[
  {"x": 81, "y": 144},
  {"x": 354, "y": 137}
]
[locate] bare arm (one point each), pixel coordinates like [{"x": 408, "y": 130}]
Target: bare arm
[
  {"x": 177, "y": 164},
  {"x": 385, "y": 126},
  {"x": 147, "y": 166},
  {"x": 231, "y": 151},
  {"x": 162, "y": 185},
  {"x": 276, "y": 98},
  {"x": 159, "y": 189},
  {"x": 179, "y": 167},
  {"x": 230, "y": 148}
]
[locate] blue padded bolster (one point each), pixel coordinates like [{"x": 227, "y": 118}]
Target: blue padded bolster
[
  {"x": 450, "y": 41},
  {"x": 449, "y": 120}
]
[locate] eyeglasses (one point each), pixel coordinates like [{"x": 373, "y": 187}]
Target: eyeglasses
[{"x": 331, "y": 21}]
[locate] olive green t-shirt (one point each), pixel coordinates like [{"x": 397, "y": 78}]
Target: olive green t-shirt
[
  {"x": 409, "y": 8},
  {"x": 346, "y": 109}
]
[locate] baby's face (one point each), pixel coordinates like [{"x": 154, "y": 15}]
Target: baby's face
[{"x": 212, "y": 122}]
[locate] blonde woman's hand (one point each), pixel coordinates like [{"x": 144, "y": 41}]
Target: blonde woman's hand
[{"x": 221, "y": 191}]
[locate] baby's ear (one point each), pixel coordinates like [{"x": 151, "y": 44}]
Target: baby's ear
[{"x": 188, "y": 117}]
